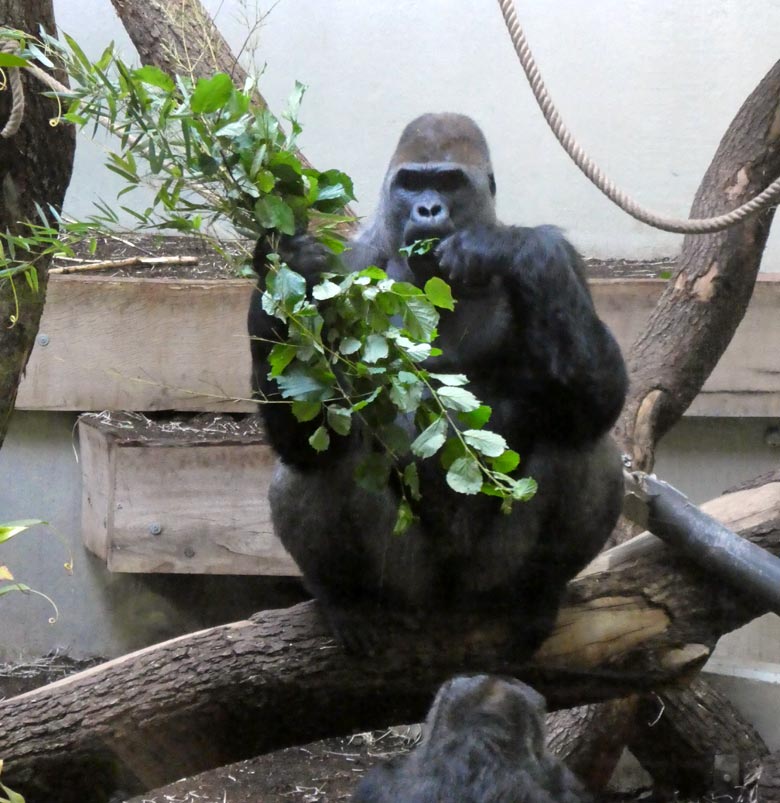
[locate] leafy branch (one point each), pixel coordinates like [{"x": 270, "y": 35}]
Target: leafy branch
[{"x": 357, "y": 344}]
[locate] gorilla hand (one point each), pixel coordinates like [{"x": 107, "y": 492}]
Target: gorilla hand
[
  {"x": 302, "y": 253},
  {"x": 472, "y": 257}
]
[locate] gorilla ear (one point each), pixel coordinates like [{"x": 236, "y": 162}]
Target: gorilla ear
[{"x": 492, "y": 184}]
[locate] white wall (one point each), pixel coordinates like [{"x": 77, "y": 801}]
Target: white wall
[{"x": 648, "y": 87}]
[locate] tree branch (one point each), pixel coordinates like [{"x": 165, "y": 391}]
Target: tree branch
[{"x": 639, "y": 618}]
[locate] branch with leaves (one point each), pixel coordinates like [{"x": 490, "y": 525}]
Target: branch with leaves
[{"x": 356, "y": 346}]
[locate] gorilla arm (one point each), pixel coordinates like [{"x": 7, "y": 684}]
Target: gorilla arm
[{"x": 567, "y": 365}]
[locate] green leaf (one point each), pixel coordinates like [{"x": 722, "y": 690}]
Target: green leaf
[
  {"x": 465, "y": 476},
  {"x": 419, "y": 247},
  {"x": 417, "y": 352},
  {"x": 411, "y": 478},
  {"x": 154, "y": 76},
  {"x": 487, "y": 443},
  {"x": 439, "y": 293},
  {"x": 404, "y": 519},
  {"x": 265, "y": 181},
  {"x": 211, "y": 93},
  {"x": 7, "y": 590},
  {"x": 271, "y": 212},
  {"x": 340, "y": 419},
  {"x": 289, "y": 286},
  {"x": 455, "y": 380},
  {"x": 524, "y": 489},
  {"x": 453, "y": 449},
  {"x": 320, "y": 440},
  {"x": 406, "y": 391},
  {"x": 325, "y": 290},
  {"x": 280, "y": 356},
  {"x": 306, "y": 411},
  {"x": 375, "y": 348},
  {"x": 298, "y": 384},
  {"x": 506, "y": 463},
  {"x": 349, "y": 345},
  {"x": 11, "y": 60},
  {"x": 458, "y": 399},
  {"x": 476, "y": 419},
  {"x": 12, "y": 528},
  {"x": 373, "y": 472},
  {"x": 431, "y": 439},
  {"x": 420, "y": 318}
]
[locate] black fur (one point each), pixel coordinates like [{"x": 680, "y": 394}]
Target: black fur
[
  {"x": 525, "y": 332},
  {"x": 483, "y": 743}
]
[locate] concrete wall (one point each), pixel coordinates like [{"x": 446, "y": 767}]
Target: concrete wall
[
  {"x": 648, "y": 87},
  {"x": 100, "y": 614}
]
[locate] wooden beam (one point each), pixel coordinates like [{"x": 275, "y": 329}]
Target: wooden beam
[{"x": 162, "y": 344}]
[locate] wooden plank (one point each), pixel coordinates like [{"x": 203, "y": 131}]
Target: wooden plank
[
  {"x": 140, "y": 344},
  {"x": 179, "y": 497},
  {"x": 158, "y": 344},
  {"x": 96, "y": 456},
  {"x": 210, "y": 504}
]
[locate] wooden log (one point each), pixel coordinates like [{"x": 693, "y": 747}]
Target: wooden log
[{"x": 636, "y": 619}]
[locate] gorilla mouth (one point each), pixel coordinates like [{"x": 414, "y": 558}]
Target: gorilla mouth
[{"x": 417, "y": 231}]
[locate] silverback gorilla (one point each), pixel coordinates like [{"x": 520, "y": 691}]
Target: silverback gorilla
[
  {"x": 525, "y": 332},
  {"x": 483, "y": 743}
]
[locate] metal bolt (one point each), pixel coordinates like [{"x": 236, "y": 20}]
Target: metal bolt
[
  {"x": 155, "y": 528},
  {"x": 42, "y": 340}
]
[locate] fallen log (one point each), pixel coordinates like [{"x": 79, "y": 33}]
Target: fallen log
[{"x": 638, "y": 618}]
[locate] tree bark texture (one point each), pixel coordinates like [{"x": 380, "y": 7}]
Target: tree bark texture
[
  {"x": 180, "y": 38},
  {"x": 705, "y": 301},
  {"x": 591, "y": 738},
  {"x": 693, "y": 725},
  {"x": 768, "y": 781},
  {"x": 35, "y": 167},
  {"x": 638, "y": 619}
]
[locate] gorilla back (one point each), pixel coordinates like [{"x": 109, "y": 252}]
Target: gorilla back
[{"x": 525, "y": 332}]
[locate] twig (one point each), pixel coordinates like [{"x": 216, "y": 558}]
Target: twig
[{"x": 129, "y": 262}]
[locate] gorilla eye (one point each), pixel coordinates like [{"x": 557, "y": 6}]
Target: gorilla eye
[
  {"x": 412, "y": 180},
  {"x": 449, "y": 180},
  {"x": 492, "y": 183}
]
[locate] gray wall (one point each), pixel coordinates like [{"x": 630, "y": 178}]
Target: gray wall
[
  {"x": 101, "y": 614},
  {"x": 647, "y": 86}
]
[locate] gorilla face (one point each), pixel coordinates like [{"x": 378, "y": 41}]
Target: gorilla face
[
  {"x": 434, "y": 200},
  {"x": 439, "y": 181}
]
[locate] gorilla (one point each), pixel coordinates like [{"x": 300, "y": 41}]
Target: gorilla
[
  {"x": 525, "y": 332},
  {"x": 484, "y": 743}
]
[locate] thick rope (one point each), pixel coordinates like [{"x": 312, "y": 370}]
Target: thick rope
[
  {"x": 768, "y": 197},
  {"x": 17, "y": 93},
  {"x": 14, "y": 122}
]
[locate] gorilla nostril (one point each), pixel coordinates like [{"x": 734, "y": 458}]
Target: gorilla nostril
[
  {"x": 423, "y": 211},
  {"x": 435, "y": 210}
]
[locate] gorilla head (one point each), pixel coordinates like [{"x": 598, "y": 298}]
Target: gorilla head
[
  {"x": 439, "y": 180},
  {"x": 484, "y": 743}
]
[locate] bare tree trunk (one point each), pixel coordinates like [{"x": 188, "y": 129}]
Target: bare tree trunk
[
  {"x": 686, "y": 335},
  {"x": 640, "y": 618},
  {"x": 703, "y": 304},
  {"x": 35, "y": 167}
]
